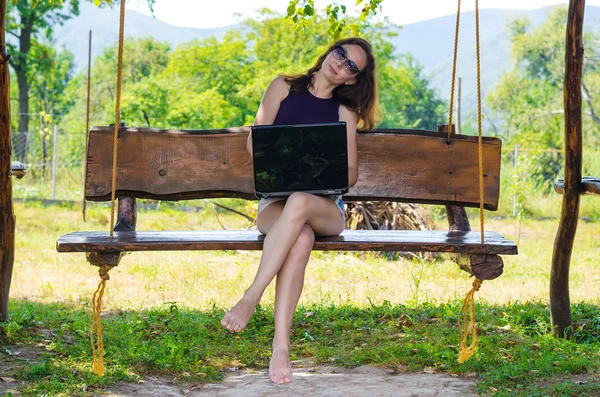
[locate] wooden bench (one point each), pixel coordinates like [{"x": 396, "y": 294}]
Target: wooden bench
[{"x": 394, "y": 165}]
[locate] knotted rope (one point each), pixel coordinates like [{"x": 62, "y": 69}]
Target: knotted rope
[
  {"x": 465, "y": 327},
  {"x": 96, "y": 328},
  {"x": 468, "y": 326},
  {"x": 98, "y": 349}
]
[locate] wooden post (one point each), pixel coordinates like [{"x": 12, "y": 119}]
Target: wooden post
[
  {"x": 54, "y": 161},
  {"x": 459, "y": 107},
  {"x": 87, "y": 122},
  {"x": 126, "y": 221},
  {"x": 560, "y": 304},
  {"x": 7, "y": 216}
]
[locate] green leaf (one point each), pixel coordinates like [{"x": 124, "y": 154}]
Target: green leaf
[
  {"x": 291, "y": 10},
  {"x": 308, "y": 10}
]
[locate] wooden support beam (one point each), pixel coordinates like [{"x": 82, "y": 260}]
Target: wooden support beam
[
  {"x": 126, "y": 221},
  {"x": 7, "y": 217},
  {"x": 589, "y": 186},
  {"x": 560, "y": 304}
]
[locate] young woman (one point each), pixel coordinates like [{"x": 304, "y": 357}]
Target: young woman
[{"x": 341, "y": 86}]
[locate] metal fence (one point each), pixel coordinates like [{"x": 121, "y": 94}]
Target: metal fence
[{"x": 54, "y": 161}]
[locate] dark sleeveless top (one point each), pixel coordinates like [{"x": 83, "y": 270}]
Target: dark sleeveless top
[{"x": 307, "y": 108}]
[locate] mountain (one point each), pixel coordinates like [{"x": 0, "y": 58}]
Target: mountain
[
  {"x": 432, "y": 45},
  {"x": 430, "y": 42}
]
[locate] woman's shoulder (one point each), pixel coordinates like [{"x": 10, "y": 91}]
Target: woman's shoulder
[
  {"x": 279, "y": 87},
  {"x": 280, "y": 83}
]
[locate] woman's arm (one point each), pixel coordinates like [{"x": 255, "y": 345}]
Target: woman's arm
[
  {"x": 350, "y": 118},
  {"x": 269, "y": 105}
]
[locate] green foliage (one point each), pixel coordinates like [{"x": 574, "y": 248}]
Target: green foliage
[
  {"x": 219, "y": 83},
  {"x": 529, "y": 98},
  {"x": 302, "y": 14},
  {"x": 51, "y": 76},
  {"x": 406, "y": 98},
  {"x": 515, "y": 357}
]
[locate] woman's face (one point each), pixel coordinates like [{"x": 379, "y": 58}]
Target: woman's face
[{"x": 343, "y": 63}]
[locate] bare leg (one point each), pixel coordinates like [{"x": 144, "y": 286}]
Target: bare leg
[
  {"x": 320, "y": 213},
  {"x": 240, "y": 314},
  {"x": 290, "y": 281}
]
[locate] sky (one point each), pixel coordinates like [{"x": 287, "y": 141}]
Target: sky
[{"x": 217, "y": 13}]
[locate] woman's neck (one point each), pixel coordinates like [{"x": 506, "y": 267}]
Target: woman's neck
[{"x": 321, "y": 87}]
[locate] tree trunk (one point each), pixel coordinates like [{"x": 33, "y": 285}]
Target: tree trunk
[
  {"x": 7, "y": 217},
  {"x": 20, "y": 67},
  {"x": 560, "y": 304}
]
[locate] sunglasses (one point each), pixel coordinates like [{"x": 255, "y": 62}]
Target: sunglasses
[{"x": 340, "y": 54}]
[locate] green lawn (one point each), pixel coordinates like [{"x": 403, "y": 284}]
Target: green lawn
[{"x": 163, "y": 310}]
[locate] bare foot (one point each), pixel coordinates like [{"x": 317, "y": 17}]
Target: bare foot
[
  {"x": 237, "y": 318},
  {"x": 280, "y": 369}
]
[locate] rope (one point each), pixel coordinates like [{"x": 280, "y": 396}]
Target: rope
[
  {"x": 87, "y": 119},
  {"x": 466, "y": 326},
  {"x": 453, "y": 72},
  {"x": 117, "y": 120},
  {"x": 479, "y": 134},
  {"x": 96, "y": 328}
]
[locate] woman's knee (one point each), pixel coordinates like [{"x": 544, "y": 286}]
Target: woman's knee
[{"x": 298, "y": 205}]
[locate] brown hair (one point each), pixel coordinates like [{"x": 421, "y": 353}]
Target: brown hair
[{"x": 360, "y": 97}]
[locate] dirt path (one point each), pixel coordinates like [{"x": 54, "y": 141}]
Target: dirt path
[{"x": 324, "y": 381}]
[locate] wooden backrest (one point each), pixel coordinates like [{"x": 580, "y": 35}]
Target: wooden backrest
[{"x": 394, "y": 165}]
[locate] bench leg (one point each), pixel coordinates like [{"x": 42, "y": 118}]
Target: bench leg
[
  {"x": 484, "y": 267},
  {"x": 126, "y": 221}
]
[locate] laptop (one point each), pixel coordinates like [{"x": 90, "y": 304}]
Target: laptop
[{"x": 310, "y": 158}]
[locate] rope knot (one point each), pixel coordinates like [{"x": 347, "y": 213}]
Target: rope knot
[
  {"x": 103, "y": 272},
  {"x": 466, "y": 324}
]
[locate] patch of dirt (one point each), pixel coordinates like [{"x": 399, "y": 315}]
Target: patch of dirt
[
  {"x": 315, "y": 381},
  {"x": 578, "y": 379},
  {"x": 12, "y": 358}
]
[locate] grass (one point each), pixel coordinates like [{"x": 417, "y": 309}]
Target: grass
[{"x": 163, "y": 311}]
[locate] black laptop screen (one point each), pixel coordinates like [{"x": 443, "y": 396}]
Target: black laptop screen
[{"x": 307, "y": 157}]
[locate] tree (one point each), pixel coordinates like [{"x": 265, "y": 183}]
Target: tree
[
  {"x": 26, "y": 21},
  {"x": 529, "y": 98}
]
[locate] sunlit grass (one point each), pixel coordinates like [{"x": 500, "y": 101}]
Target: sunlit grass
[{"x": 203, "y": 278}]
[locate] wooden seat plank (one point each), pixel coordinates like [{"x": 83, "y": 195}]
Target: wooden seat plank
[
  {"x": 589, "y": 186},
  {"x": 394, "y": 165},
  {"x": 349, "y": 240}
]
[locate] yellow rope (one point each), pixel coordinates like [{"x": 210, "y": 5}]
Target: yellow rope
[
  {"x": 479, "y": 134},
  {"x": 117, "y": 120},
  {"x": 453, "y": 72},
  {"x": 96, "y": 328},
  {"x": 468, "y": 326}
]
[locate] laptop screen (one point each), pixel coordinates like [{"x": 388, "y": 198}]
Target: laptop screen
[{"x": 303, "y": 157}]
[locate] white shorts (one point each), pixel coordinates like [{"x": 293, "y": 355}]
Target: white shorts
[{"x": 264, "y": 203}]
